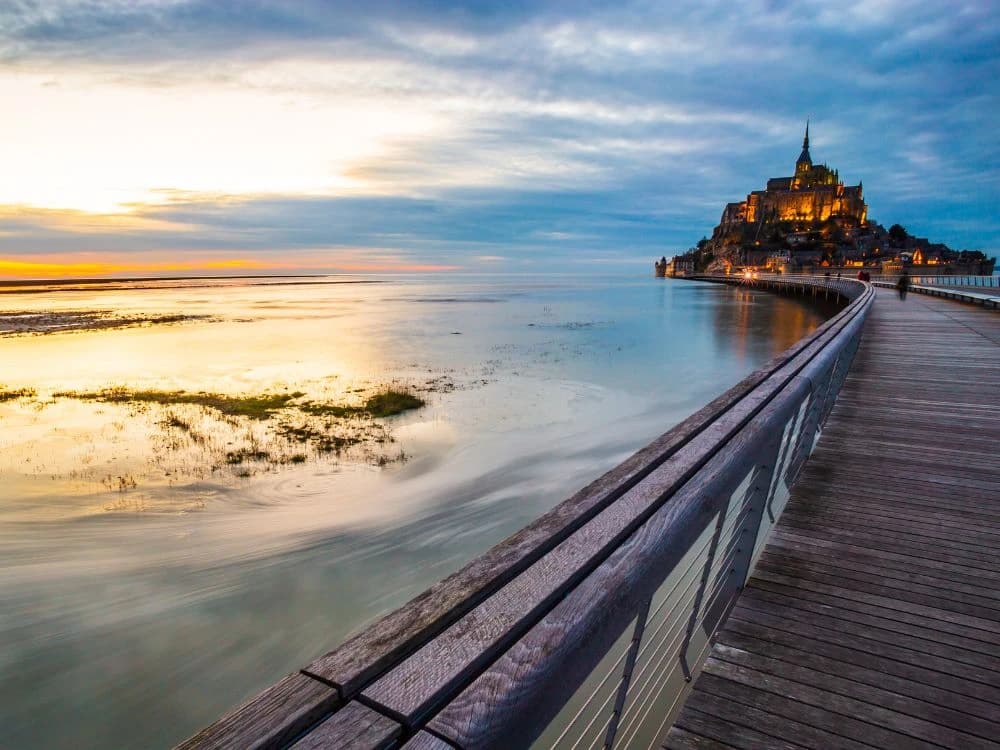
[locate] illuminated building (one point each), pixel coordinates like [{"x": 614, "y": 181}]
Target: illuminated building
[{"x": 814, "y": 193}]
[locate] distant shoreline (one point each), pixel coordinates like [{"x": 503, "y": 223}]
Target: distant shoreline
[
  {"x": 57, "y": 282},
  {"x": 29, "y": 286}
]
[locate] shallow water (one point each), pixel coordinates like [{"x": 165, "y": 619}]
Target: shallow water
[{"x": 137, "y": 614}]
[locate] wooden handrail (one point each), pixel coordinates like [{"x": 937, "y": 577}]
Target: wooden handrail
[{"x": 451, "y": 658}]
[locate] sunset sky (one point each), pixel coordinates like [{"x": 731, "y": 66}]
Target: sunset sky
[{"x": 158, "y": 136}]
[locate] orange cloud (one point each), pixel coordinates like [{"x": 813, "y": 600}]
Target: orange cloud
[
  {"x": 99, "y": 265},
  {"x": 41, "y": 269},
  {"x": 382, "y": 267}
]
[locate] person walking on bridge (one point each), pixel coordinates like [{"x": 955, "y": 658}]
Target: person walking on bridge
[{"x": 903, "y": 285}]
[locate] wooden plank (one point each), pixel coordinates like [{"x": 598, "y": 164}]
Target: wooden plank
[
  {"x": 960, "y": 727},
  {"x": 848, "y": 570},
  {"x": 941, "y": 616},
  {"x": 904, "y": 681},
  {"x": 984, "y": 544},
  {"x": 886, "y": 539},
  {"x": 745, "y": 737},
  {"x": 982, "y": 588},
  {"x": 885, "y": 608},
  {"x": 811, "y": 545},
  {"x": 862, "y": 704},
  {"x": 835, "y": 634},
  {"x": 881, "y": 584},
  {"x": 895, "y": 461},
  {"x": 881, "y": 587},
  {"x": 978, "y": 543},
  {"x": 982, "y": 507},
  {"x": 708, "y": 727},
  {"x": 833, "y": 722},
  {"x": 354, "y": 727},
  {"x": 270, "y": 719},
  {"x": 681, "y": 739},
  {"x": 426, "y": 741},
  {"x": 757, "y": 597}
]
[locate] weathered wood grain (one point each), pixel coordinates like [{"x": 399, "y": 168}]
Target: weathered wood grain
[
  {"x": 889, "y": 561},
  {"x": 270, "y": 719},
  {"x": 879, "y": 694},
  {"x": 457, "y": 655},
  {"x": 781, "y": 700},
  {"x": 681, "y": 739},
  {"x": 354, "y": 727},
  {"x": 845, "y": 662},
  {"x": 427, "y": 741},
  {"x": 706, "y": 715},
  {"x": 793, "y": 603},
  {"x": 815, "y": 690},
  {"x": 878, "y": 597}
]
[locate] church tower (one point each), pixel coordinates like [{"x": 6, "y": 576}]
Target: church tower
[{"x": 804, "y": 162}]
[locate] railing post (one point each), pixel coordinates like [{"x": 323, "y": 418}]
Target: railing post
[
  {"x": 633, "y": 652},
  {"x": 760, "y": 496},
  {"x": 733, "y": 578}
]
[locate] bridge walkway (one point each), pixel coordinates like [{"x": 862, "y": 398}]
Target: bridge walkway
[{"x": 873, "y": 615}]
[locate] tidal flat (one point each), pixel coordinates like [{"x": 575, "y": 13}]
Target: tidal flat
[
  {"x": 20, "y": 323},
  {"x": 190, "y": 511}
]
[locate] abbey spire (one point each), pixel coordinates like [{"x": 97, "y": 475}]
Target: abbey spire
[
  {"x": 804, "y": 162},
  {"x": 815, "y": 193}
]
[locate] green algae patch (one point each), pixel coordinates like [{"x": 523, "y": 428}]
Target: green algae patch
[
  {"x": 244, "y": 435},
  {"x": 392, "y": 402},
  {"x": 387, "y": 403},
  {"x": 254, "y": 407},
  {"x": 332, "y": 410},
  {"x": 13, "y": 395}
]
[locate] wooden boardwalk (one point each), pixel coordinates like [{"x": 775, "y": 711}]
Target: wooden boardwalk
[{"x": 872, "y": 619}]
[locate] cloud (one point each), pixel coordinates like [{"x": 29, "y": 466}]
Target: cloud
[{"x": 446, "y": 132}]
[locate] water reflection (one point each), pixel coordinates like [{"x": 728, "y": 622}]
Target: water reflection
[
  {"x": 135, "y": 626},
  {"x": 754, "y": 323}
]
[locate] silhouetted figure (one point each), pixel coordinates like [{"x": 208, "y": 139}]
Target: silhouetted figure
[{"x": 903, "y": 285}]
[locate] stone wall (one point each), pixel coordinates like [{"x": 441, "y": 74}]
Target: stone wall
[{"x": 806, "y": 205}]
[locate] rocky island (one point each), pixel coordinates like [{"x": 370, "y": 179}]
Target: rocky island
[{"x": 812, "y": 221}]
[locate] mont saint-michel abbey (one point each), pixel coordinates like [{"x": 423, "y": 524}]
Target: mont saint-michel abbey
[
  {"x": 812, "y": 220},
  {"x": 814, "y": 193}
]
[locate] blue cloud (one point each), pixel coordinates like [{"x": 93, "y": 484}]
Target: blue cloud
[{"x": 612, "y": 133}]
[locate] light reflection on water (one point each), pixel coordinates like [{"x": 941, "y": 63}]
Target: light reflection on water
[{"x": 139, "y": 616}]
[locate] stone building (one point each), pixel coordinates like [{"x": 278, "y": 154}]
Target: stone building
[
  {"x": 814, "y": 193},
  {"x": 681, "y": 265}
]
